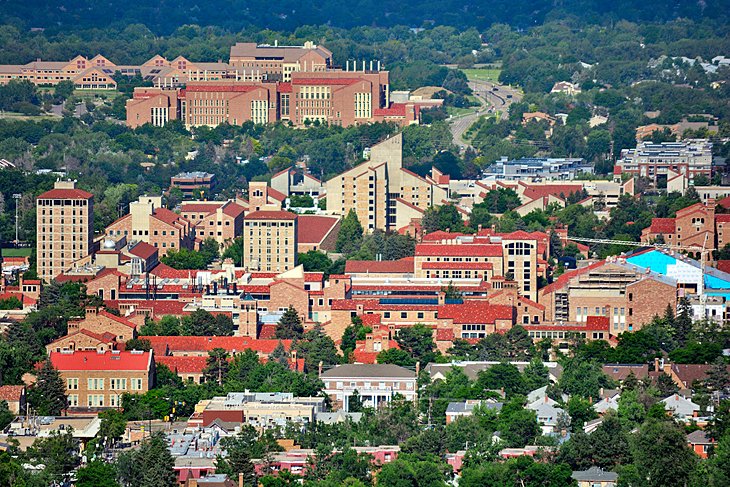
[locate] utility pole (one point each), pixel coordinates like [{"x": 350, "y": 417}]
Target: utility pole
[{"x": 16, "y": 197}]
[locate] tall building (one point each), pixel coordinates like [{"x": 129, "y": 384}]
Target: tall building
[
  {"x": 270, "y": 241},
  {"x": 382, "y": 192},
  {"x": 64, "y": 226},
  {"x": 661, "y": 161}
]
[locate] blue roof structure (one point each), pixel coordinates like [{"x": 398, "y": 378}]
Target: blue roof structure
[{"x": 659, "y": 261}]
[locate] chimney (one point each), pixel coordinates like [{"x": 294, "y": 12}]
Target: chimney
[
  {"x": 442, "y": 298},
  {"x": 320, "y": 367},
  {"x": 546, "y": 398},
  {"x": 240, "y": 479},
  {"x": 656, "y": 364},
  {"x": 418, "y": 369},
  {"x": 695, "y": 414}
]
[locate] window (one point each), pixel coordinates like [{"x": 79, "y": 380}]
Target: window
[
  {"x": 95, "y": 384},
  {"x": 136, "y": 384},
  {"x": 404, "y": 315},
  {"x": 95, "y": 400},
  {"x": 73, "y": 400},
  {"x": 118, "y": 384},
  {"x": 72, "y": 384}
]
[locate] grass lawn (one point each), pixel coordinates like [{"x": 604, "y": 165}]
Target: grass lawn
[
  {"x": 455, "y": 112},
  {"x": 92, "y": 94},
  {"x": 482, "y": 74},
  {"x": 23, "y": 252},
  {"x": 21, "y": 116}
]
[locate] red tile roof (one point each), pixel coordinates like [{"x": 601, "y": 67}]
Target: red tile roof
[
  {"x": 468, "y": 250},
  {"x": 725, "y": 202},
  {"x": 662, "y": 225},
  {"x": 143, "y": 250},
  {"x": 220, "y": 88},
  {"x": 722, "y": 218},
  {"x": 444, "y": 334},
  {"x": 183, "y": 365},
  {"x": 284, "y": 88},
  {"x": 564, "y": 278},
  {"x": 276, "y": 194},
  {"x": 271, "y": 215},
  {"x": 167, "y": 216},
  {"x": 233, "y": 210},
  {"x": 199, "y": 207},
  {"x": 325, "y": 81},
  {"x": 168, "y": 344},
  {"x": 458, "y": 265},
  {"x": 536, "y": 191},
  {"x": 597, "y": 323},
  {"x": 475, "y": 312},
  {"x": 93, "y": 360},
  {"x": 441, "y": 235},
  {"x": 394, "y": 110},
  {"x": 403, "y": 266},
  {"x": 66, "y": 194},
  {"x": 312, "y": 229},
  {"x": 11, "y": 393}
]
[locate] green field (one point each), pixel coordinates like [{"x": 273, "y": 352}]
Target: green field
[
  {"x": 482, "y": 74},
  {"x": 16, "y": 252},
  {"x": 21, "y": 116},
  {"x": 92, "y": 94},
  {"x": 456, "y": 112}
]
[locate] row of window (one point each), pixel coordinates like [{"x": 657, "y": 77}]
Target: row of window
[{"x": 98, "y": 384}]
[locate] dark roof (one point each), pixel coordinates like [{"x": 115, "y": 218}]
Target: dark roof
[{"x": 595, "y": 474}]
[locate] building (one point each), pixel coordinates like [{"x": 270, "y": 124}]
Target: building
[
  {"x": 595, "y": 477},
  {"x": 566, "y": 87},
  {"x": 277, "y": 63},
  {"x": 700, "y": 443},
  {"x": 537, "y": 168},
  {"x": 14, "y": 396},
  {"x": 64, "y": 227},
  {"x": 456, "y": 410},
  {"x": 219, "y": 220},
  {"x": 657, "y": 161},
  {"x": 680, "y": 407},
  {"x": 98, "y": 330},
  {"x": 294, "y": 181},
  {"x": 628, "y": 295},
  {"x": 270, "y": 241},
  {"x": 85, "y": 74},
  {"x": 193, "y": 184},
  {"x": 383, "y": 194},
  {"x": 517, "y": 256},
  {"x": 96, "y": 380},
  {"x": 692, "y": 226},
  {"x": 262, "y": 410},
  {"x": 317, "y": 232},
  {"x": 148, "y": 221},
  {"x": 375, "y": 383}
]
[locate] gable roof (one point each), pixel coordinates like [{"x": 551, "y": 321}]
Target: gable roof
[
  {"x": 93, "y": 360},
  {"x": 479, "y": 312},
  {"x": 313, "y": 229},
  {"x": 379, "y": 266},
  {"x": 368, "y": 370},
  {"x": 11, "y": 393}
]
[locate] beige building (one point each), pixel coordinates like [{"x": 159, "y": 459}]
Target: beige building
[
  {"x": 64, "y": 226},
  {"x": 96, "y": 380},
  {"x": 277, "y": 63},
  {"x": 382, "y": 192},
  {"x": 270, "y": 241},
  {"x": 147, "y": 221}
]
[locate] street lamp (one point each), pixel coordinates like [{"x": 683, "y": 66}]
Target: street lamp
[{"x": 16, "y": 197}]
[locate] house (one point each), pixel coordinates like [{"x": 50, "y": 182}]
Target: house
[
  {"x": 547, "y": 413},
  {"x": 619, "y": 372},
  {"x": 15, "y": 397},
  {"x": 337, "y": 417},
  {"x": 566, "y": 87},
  {"x": 456, "y": 410},
  {"x": 680, "y": 407},
  {"x": 608, "y": 403},
  {"x": 595, "y": 477},
  {"x": 375, "y": 383},
  {"x": 700, "y": 443}
]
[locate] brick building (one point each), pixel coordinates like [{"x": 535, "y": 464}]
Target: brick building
[
  {"x": 15, "y": 398},
  {"x": 148, "y": 221},
  {"x": 699, "y": 225},
  {"x": 629, "y": 296},
  {"x": 64, "y": 226},
  {"x": 96, "y": 380},
  {"x": 193, "y": 184},
  {"x": 383, "y": 194},
  {"x": 220, "y": 220},
  {"x": 375, "y": 383},
  {"x": 277, "y": 63},
  {"x": 270, "y": 241},
  {"x": 657, "y": 161}
]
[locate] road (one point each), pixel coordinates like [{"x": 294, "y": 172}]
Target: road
[{"x": 491, "y": 101}]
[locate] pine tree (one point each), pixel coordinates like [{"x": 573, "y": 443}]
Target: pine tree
[
  {"x": 289, "y": 326},
  {"x": 683, "y": 322},
  {"x": 48, "y": 394},
  {"x": 718, "y": 378},
  {"x": 349, "y": 239},
  {"x": 156, "y": 463},
  {"x": 279, "y": 354},
  {"x": 216, "y": 366}
]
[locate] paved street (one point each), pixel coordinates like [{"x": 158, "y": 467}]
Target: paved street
[{"x": 491, "y": 101}]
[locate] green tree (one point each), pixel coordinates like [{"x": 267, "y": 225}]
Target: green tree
[
  {"x": 59, "y": 452},
  {"x": 661, "y": 454},
  {"x": 113, "y": 425},
  {"x": 315, "y": 261},
  {"x": 209, "y": 249},
  {"x": 6, "y": 417},
  {"x": 279, "y": 354},
  {"x": 151, "y": 465},
  {"x": 97, "y": 474},
  {"x": 48, "y": 395},
  {"x": 238, "y": 458},
  {"x": 184, "y": 259},
  {"x": 395, "y": 356},
  {"x": 418, "y": 342},
  {"x": 349, "y": 239},
  {"x": 138, "y": 344},
  {"x": 216, "y": 366},
  {"x": 316, "y": 347},
  {"x": 289, "y": 326}
]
